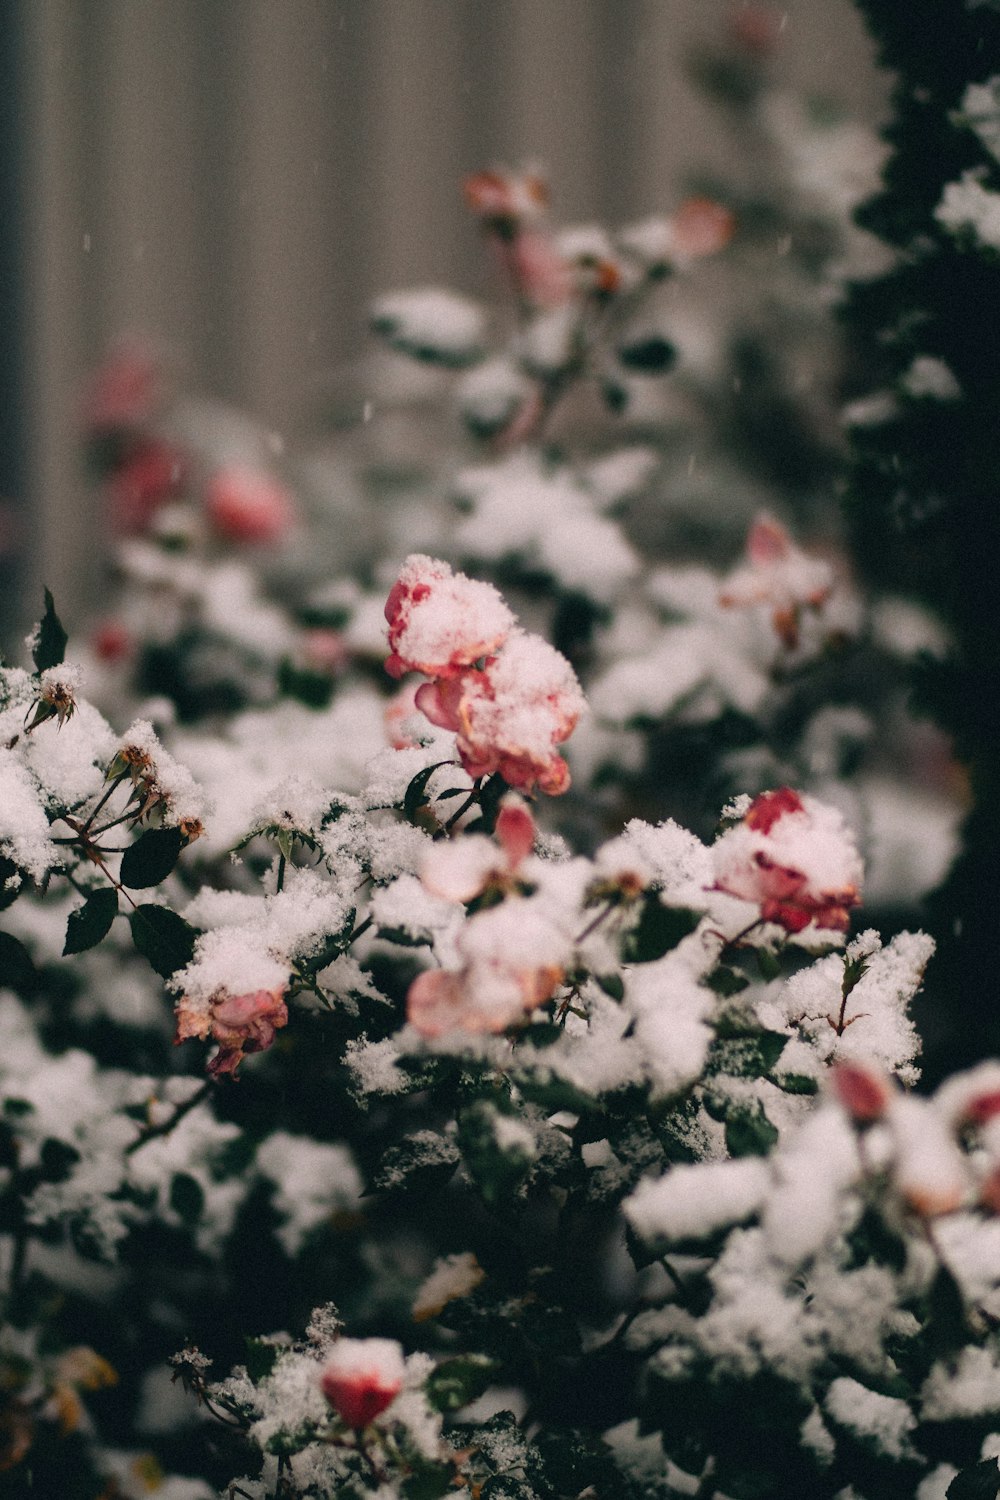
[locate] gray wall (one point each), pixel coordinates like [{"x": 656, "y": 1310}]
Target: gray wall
[{"x": 238, "y": 177}]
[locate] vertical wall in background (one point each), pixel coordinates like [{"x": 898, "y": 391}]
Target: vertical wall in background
[
  {"x": 237, "y": 178},
  {"x": 12, "y": 445}
]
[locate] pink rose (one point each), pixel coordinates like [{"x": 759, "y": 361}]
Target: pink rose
[
  {"x": 240, "y": 1024},
  {"x": 125, "y": 391},
  {"x": 248, "y": 505},
  {"x": 779, "y": 574},
  {"x": 795, "y": 858},
  {"x": 362, "y": 1378},
  {"x": 150, "y": 474},
  {"x": 441, "y": 622}
]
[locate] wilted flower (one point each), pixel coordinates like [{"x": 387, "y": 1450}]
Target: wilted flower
[
  {"x": 240, "y": 1024},
  {"x": 57, "y": 690}
]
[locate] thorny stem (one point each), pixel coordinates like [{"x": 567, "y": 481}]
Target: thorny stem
[
  {"x": 360, "y": 930},
  {"x": 595, "y": 922},
  {"x": 279, "y": 884},
  {"x": 470, "y": 801},
  {"x": 95, "y": 833},
  {"x": 115, "y": 784},
  {"x": 18, "y": 1260},
  {"x": 151, "y": 1132}
]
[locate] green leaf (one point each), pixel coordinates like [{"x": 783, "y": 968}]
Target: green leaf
[
  {"x": 497, "y": 1151},
  {"x": 151, "y": 858},
  {"x": 414, "y": 798},
  {"x": 163, "y": 937},
  {"x": 612, "y": 984},
  {"x": 50, "y": 638},
  {"x": 10, "y": 886},
  {"x": 768, "y": 964},
  {"x": 428, "y": 1480},
  {"x": 91, "y": 922},
  {"x": 649, "y": 355},
  {"x": 187, "y": 1198},
  {"x": 749, "y": 1132},
  {"x": 980, "y": 1482},
  {"x": 16, "y": 967},
  {"x": 726, "y": 982},
  {"x": 659, "y": 929},
  {"x": 797, "y": 1083},
  {"x": 743, "y": 1047},
  {"x": 491, "y": 794},
  {"x": 260, "y": 1356},
  {"x": 456, "y": 1382},
  {"x": 946, "y": 1326}
]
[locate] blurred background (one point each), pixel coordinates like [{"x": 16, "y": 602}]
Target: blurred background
[{"x": 237, "y": 178}]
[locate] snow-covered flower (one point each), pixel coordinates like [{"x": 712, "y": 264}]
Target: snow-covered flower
[
  {"x": 362, "y": 1378},
  {"x": 780, "y": 575},
  {"x": 461, "y": 869},
  {"x": 502, "y": 196},
  {"x": 513, "y": 956},
  {"x": 795, "y": 858},
  {"x": 441, "y": 622},
  {"x": 239, "y": 1023},
  {"x": 511, "y": 207},
  {"x": 510, "y": 715}
]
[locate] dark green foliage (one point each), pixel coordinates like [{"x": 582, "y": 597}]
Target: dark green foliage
[
  {"x": 314, "y": 689},
  {"x": 981, "y": 1482},
  {"x": 187, "y": 1197},
  {"x": 16, "y": 967},
  {"x": 659, "y": 929},
  {"x": 10, "y": 884},
  {"x": 163, "y": 937},
  {"x": 91, "y": 922},
  {"x": 924, "y": 482},
  {"x": 455, "y": 1382},
  {"x": 151, "y": 858},
  {"x": 650, "y": 354},
  {"x": 50, "y": 640}
]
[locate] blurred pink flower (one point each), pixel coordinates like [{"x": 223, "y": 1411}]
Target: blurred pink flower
[
  {"x": 151, "y": 473},
  {"x": 248, "y": 505},
  {"x": 125, "y": 391}
]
